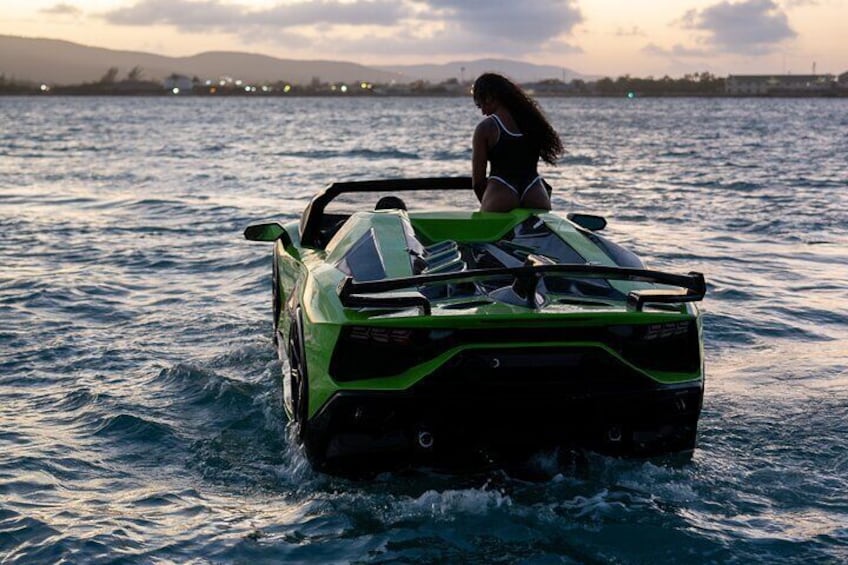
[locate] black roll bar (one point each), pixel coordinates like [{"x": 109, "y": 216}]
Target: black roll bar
[{"x": 310, "y": 222}]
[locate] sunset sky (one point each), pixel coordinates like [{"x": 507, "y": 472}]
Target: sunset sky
[{"x": 603, "y": 37}]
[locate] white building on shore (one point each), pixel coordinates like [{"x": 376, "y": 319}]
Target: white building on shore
[{"x": 180, "y": 83}]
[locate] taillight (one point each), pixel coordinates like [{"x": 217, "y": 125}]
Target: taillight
[
  {"x": 668, "y": 346},
  {"x": 365, "y": 334},
  {"x": 368, "y": 352}
]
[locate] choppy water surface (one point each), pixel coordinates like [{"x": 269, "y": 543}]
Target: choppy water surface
[{"x": 138, "y": 399}]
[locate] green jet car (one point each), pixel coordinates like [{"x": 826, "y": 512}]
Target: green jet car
[{"x": 456, "y": 338}]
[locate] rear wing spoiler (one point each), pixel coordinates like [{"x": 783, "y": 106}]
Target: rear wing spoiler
[{"x": 691, "y": 287}]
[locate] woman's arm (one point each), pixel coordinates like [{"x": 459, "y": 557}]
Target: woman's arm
[{"x": 479, "y": 157}]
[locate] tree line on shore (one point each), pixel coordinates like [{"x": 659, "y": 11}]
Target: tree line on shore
[{"x": 134, "y": 83}]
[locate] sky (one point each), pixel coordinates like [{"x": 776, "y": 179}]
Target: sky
[{"x": 640, "y": 38}]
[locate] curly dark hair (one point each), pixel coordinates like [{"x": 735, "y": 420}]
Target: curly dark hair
[{"x": 526, "y": 112}]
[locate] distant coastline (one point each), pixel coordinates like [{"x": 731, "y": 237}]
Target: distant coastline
[
  {"x": 697, "y": 85},
  {"x": 48, "y": 67}
]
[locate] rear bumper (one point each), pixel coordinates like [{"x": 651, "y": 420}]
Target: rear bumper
[{"x": 473, "y": 411}]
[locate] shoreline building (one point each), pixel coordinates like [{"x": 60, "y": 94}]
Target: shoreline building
[{"x": 763, "y": 85}]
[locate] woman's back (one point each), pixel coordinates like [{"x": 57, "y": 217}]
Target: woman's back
[
  {"x": 512, "y": 138},
  {"x": 513, "y": 159}
]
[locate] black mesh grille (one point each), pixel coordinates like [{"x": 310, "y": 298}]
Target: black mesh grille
[{"x": 516, "y": 372}]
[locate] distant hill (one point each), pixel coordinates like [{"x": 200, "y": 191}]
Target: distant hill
[
  {"x": 516, "y": 70},
  {"x": 63, "y": 62},
  {"x": 53, "y": 61}
]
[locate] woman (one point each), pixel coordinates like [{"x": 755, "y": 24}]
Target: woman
[{"x": 512, "y": 137}]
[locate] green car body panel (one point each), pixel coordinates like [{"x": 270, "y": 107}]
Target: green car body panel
[{"x": 369, "y": 369}]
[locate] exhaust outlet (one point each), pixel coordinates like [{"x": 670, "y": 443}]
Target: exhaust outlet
[
  {"x": 425, "y": 439},
  {"x": 614, "y": 434}
]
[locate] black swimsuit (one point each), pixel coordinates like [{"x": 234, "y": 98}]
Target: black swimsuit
[{"x": 513, "y": 160}]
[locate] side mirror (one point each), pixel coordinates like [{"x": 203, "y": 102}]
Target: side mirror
[
  {"x": 271, "y": 231},
  {"x": 588, "y": 221}
]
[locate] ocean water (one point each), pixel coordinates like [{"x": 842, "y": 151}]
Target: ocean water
[{"x": 140, "y": 417}]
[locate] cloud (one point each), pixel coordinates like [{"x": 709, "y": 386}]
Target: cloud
[
  {"x": 752, "y": 27},
  {"x": 634, "y": 31},
  {"x": 362, "y": 13},
  {"x": 215, "y": 15},
  {"x": 374, "y": 26},
  {"x": 799, "y": 3},
  {"x": 560, "y": 47},
  {"x": 534, "y": 21},
  {"x": 677, "y": 50},
  {"x": 61, "y": 10},
  {"x": 182, "y": 14},
  {"x": 440, "y": 43}
]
